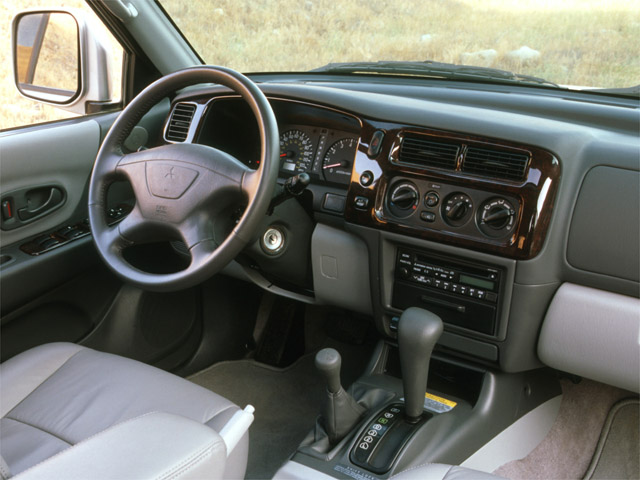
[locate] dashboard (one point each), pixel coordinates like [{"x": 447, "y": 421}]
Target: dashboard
[
  {"x": 493, "y": 195},
  {"x": 467, "y": 204}
]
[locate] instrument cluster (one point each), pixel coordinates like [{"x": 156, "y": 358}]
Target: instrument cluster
[{"x": 323, "y": 153}]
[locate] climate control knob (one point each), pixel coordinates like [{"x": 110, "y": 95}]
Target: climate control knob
[
  {"x": 402, "y": 199},
  {"x": 497, "y": 217},
  {"x": 457, "y": 209}
]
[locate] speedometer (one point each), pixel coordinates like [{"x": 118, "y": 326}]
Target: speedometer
[
  {"x": 338, "y": 160},
  {"x": 296, "y": 150}
]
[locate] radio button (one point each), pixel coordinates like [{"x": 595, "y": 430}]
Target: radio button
[
  {"x": 492, "y": 297},
  {"x": 463, "y": 289},
  {"x": 446, "y": 286},
  {"x": 420, "y": 278},
  {"x": 480, "y": 294},
  {"x": 455, "y": 288}
]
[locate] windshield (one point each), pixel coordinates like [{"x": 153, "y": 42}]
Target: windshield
[{"x": 577, "y": 43}]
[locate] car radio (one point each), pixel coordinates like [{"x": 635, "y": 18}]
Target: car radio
[{"x": 462, "y": 293}]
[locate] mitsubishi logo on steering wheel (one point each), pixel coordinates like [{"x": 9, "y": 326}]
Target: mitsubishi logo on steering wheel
[
  {"x": 169, "y": 181},
  {"x": 170, "y": 174}
]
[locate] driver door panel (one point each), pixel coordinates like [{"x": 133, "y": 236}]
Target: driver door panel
[
  {"x": 44, "y": 297},
  {"x": 60, "y": 156},
  {"x": 67, "y": 293}
]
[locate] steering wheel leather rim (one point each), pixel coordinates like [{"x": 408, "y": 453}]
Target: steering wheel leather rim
[{"x": 218, "y": 176}]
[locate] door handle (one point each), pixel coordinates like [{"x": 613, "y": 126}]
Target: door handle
[{"x": 40, "y": 201}]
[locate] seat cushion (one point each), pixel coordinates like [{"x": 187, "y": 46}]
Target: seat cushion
[
  {"x": 57, "y": 395},
  {"x": 161, "y": 446}
]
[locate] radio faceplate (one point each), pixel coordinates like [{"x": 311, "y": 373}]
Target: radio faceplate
[{"x": 462, "y": 293}]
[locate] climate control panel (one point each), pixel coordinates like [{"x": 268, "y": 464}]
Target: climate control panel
[{"x": 453, "y": 209}]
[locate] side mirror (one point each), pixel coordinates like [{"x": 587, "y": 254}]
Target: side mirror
[{"x": 58, "y": 61}]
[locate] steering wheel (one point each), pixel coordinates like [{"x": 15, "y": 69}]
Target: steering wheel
[{"x": 182, "y": 190}]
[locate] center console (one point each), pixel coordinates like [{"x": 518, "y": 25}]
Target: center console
[{"x": 465, "y": 406}]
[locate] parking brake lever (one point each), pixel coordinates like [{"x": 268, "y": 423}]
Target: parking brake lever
[{"x": 293, "y": 187}]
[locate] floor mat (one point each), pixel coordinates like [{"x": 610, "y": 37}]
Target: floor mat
[
  {"x": 287, "y": 401},
  {"x": 566, "y": 451},
  {"x": 617, "y": 451}
]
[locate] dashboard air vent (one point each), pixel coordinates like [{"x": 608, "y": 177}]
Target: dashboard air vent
[
  {"x": 179, "y": 123},
  {"x": 419, "y": 150},
  {"x": 495, "y": 163}
]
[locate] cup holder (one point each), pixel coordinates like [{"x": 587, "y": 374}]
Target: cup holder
[{"x": 5, "y": 259}]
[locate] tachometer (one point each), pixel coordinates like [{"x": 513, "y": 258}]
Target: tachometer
[
  {"x": 338, "y": 160},
  {"x": 296, "y": 149}
]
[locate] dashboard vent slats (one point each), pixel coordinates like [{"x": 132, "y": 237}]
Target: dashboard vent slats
[
  {"x": 180, "y": 121},
  {"x": 495, "y": 163},
  {"x": 418, "y": 150}
]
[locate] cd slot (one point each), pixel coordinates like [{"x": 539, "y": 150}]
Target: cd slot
[{"x": 465, "y": 313}]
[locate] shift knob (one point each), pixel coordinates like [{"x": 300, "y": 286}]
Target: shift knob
[
  {"x": 328, "y": 363},
  {"x": 418, "y": 332}
]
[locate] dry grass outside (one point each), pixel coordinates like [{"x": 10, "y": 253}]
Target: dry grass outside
[
  {"x": 581, "y": 42},
  {"x": 59, "y": 54}
]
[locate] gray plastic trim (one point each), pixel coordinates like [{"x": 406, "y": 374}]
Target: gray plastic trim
[
  {"x": 340, "y": 264},
  {"x": 157, "y": 37},
  {"x": 517, "y": 440},
  {"x": 593, "y": 333},
  {"x": 605, "y": 229},
  {"x": 244, "y": 273},
  {"x": 296, "y": 471},
  {"x": 467, "y": 345}
]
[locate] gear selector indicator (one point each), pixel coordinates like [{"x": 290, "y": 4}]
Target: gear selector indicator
[{"x": 379, "y": 444}]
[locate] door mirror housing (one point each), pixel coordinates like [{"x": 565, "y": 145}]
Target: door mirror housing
[{"x": 59, "y": 60}]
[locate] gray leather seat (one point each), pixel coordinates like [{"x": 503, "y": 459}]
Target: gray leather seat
[{"x": 83, "y": 413}]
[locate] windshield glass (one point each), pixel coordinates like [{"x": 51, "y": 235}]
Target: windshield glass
[{"x": 577, "y": 43}]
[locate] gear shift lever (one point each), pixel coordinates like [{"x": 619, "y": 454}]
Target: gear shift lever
[
  {"x": 341, "y": 411},
  {"x": 418, "y": 332}
]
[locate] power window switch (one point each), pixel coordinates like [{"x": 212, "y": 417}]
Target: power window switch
[{"x": 393, "y": 324}]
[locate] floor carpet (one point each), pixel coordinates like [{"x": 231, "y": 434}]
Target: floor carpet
[
  {"x": 568, "y": 448},
  {"x": 618, "y": 451},
  {"x": 287, "y": 401}
]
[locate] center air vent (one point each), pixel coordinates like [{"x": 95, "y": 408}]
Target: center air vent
[
  {"x": 495, "y": 163},
  {"x": 419, "y": 150},
  {"x": 180, "y": 121}
]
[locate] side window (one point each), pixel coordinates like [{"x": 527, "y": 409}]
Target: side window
[{"x": 15, "y": 109}]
